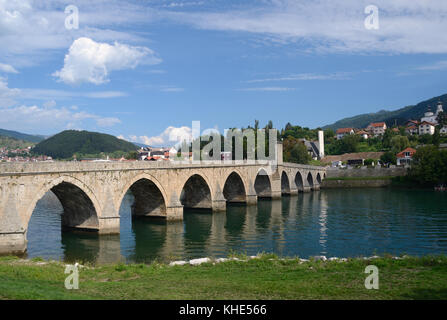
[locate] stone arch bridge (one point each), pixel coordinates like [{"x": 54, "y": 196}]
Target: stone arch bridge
[{"x": 91, "y": 192}]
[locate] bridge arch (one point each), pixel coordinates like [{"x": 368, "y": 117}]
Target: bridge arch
[
  {"x": 310, "y": 180},
  {"x": 263, "y": 186},
  {"x": 234, "y": 189},
  {"x": 150, "y": 196},
  {"x": 81, "y": 207},
  {"x": 285, "y": 184},
  {"x": 196, "y": 193},
  {"x": 299, "y": 181},
  {"x": 318, "y": 178}
]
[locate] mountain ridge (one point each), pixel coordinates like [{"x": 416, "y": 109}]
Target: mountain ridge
[
  {"x": 21, "y": 136},
  {"x": 399, "y": 116}
]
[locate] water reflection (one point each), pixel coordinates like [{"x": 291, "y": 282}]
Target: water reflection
[{"x": 329, "y": 222}]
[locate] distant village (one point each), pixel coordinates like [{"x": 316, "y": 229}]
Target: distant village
[
  {"x": 20, "y": 155},
  {"x": 426, "y": 125}
]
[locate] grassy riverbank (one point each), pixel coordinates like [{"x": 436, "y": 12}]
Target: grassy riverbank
[{"x": 266, "y": 277}]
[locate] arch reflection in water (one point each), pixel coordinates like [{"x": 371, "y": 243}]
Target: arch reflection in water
[{"x": 341, "y": 223}]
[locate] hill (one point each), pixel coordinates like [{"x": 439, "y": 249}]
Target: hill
[
  {"x": 66, "y": 143},
  {"x": 399, "y": 116},
  {"x": 12, "y": 143},
  {"x": 21, "y": 136}
]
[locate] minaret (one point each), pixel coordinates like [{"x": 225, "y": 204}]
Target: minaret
[
  {"x": 439, "y": 109},
  {"x": 321, "y": 143}
]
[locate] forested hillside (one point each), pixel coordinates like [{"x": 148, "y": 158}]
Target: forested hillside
[{"x": 67, "y": 143}]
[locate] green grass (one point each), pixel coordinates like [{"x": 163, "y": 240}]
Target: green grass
[
  {"x": 360, "y": 178},
  {"x": 265, "y": 278}
]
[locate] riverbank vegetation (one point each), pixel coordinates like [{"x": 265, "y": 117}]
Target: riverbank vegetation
[
  {"x": 428, "y": 169},
  {"x": 266, "y": 277}
]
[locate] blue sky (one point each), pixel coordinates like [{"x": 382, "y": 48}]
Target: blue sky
[{"x": 144, "y": 70}]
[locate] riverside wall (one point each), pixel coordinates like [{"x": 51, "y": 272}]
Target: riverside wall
[{"x": 374, "y": 173}]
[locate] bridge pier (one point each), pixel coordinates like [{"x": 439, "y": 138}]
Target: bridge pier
[
  {"x": 251, "y": 199},
  {"x": 219, "y": 205},
  {"x": 293, "y": 192},
  {"x": 109, "y": 225},
  {"x": 174, "y": 213},
  {"x": 307, "y": 189},
  {"x": 12, "y": 242},
  {"x": 316, "y": 187},
  {"x": 276, "y": 195}
]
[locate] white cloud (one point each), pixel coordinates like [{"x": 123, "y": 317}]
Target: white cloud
[
  {"x": 7, "y": 94},
  {"x": 440, "y": 65},
  {"x": 50, "y": 94},
  {"x": 171, "y": 89},
  {"x": 41, "y": 119},
  {"x": 169, "y": 137},
  {"x": 334, "y": 25},
  {"x": 107, "y": 122},
  {"x": 28, "y": 28},
  {"x": 49, "y": 104},
  {"x": 306, "y": 77},
  {"x": 91, "y": 61},
  {"x": 7, "y": 68},
  {"x": 268, "y": 89}
]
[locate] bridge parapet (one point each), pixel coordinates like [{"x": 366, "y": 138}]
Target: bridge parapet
[{"x": 78, "y": 166}]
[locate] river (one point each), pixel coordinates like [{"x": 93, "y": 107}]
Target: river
[{"x": 336, "y": 222}]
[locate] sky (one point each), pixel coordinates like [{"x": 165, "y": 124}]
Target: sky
[{"x": 144, "y": 70}]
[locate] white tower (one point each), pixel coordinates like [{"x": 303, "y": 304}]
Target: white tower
[
  {"x": 321, "y": 144},
  {"x": 439, "y": 109}
]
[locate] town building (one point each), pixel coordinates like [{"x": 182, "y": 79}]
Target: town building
[
  {"x": 376, "y": 128},
  {"x": 426, "y": 127},
  {"x": 432, "y": 117},
  {"x": 343, "y": 132},
  {"x": 405, "y": 157},
  {"x": 363, "y": 134},
  {"x": 413, "y": 130}
]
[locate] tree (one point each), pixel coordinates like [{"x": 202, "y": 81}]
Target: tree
[
  {"x": 299, "y": 154},
  {"x": 442, "y": 119},
  {"x": 388, "y": 158},
  {"x": 426, "y": 138},
  {"x": 132, "y": 155},
  {"x": 295, "y": 151},
  {"x": 387, "y": 136},
  {"x": 429, "y": 166},
  {"x": 348, "y": 144},
  {"x": 399, "y": 143},
  {"x": 436, "y": 138}
]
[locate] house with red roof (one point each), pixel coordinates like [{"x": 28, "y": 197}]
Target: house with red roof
[
  {"x": 344, "y": 131},
  {"x": 405, "y": 157},
  {"x": 426, "y": 127},
  {"x": 376, "y": 128},
  {"x": 412, "y": 130}
]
